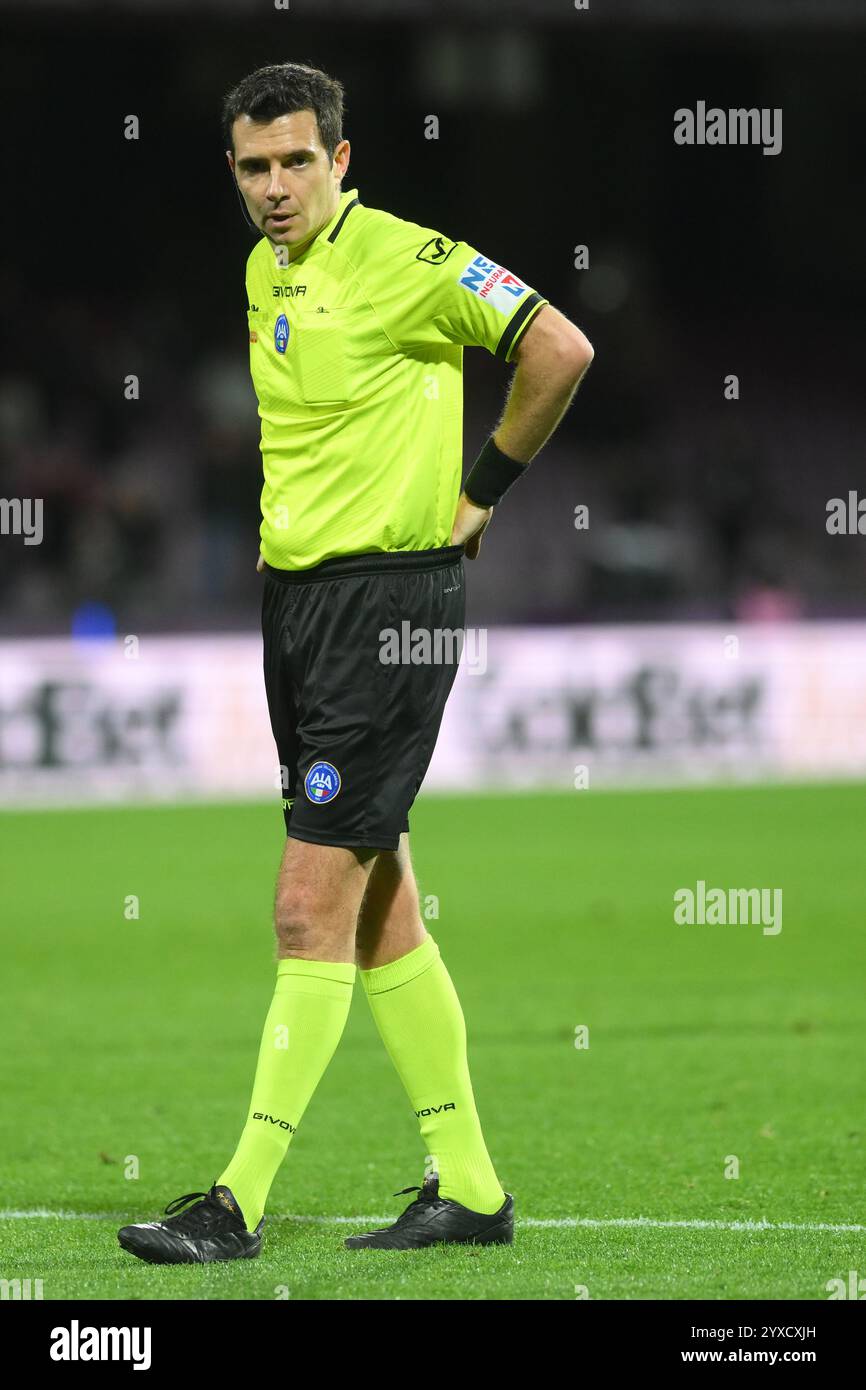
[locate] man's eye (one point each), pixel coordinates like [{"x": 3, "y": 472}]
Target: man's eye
[{"x": 298, "y": 160}]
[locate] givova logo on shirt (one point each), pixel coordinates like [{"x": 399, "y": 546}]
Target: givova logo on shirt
[
  {"x": 492, "y": 283},
  {"x": 322, "y": 783}
]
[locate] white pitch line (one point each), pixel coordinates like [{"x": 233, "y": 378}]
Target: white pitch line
[
  {"x": 652, "y": 1221},
  {"x": 535, "y": 1222}
]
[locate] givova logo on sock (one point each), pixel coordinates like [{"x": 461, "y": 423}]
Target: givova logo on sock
[
  {"x": 283, "y": 1124},
  {"x": 436, "y": 1109}
]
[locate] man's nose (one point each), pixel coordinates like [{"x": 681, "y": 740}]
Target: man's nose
[{"x": 275, "y": 189}]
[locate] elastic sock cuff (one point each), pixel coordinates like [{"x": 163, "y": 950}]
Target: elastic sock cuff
[
  {"x": 399, "y": 972},
  {"x": 337, "y": 971}
]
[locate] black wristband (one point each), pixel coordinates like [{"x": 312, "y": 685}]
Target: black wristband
[{"x": 491, "y": 475}]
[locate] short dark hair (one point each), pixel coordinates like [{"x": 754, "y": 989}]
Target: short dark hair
[{"x": 282, "y": 88}]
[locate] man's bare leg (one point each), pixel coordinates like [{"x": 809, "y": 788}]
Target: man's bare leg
[
  {"x": 318, "y": 895},
  {"x": 389, "y": 923}
]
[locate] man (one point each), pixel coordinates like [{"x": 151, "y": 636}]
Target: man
[{"x": 357, "y": 322}]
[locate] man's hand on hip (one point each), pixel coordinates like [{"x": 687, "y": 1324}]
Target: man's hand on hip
[{"x": 470, "y": 523}]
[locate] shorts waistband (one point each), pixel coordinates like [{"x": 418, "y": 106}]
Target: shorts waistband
[{"x": 377, "y": 562}]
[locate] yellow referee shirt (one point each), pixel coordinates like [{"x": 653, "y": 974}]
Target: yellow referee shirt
[{"x": 356, "y": 355}]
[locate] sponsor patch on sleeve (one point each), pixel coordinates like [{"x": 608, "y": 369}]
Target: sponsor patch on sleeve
[{"x": 492, "y": 283}]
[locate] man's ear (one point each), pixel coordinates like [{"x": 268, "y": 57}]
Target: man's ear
[
  {"x": 231, "y": 160},
  {"x": 342, "y": 163}
]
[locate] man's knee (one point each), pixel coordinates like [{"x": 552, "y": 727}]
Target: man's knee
[
  {"x": 298, "y": 918},
  {"x": 319, "y": 889}
]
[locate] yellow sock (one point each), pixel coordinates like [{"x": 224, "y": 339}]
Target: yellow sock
[
  {"x": 305, "y": 1023},
  {"x": 419, "y": 1017}
]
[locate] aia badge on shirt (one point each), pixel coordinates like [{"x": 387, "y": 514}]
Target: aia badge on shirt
[
  {"x": 281, "y": 333},
  {"x": 322, "y": 783},
  {"x": 492, "y": 283}
]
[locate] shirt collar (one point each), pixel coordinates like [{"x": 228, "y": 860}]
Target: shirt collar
[{"x": 347, "y": 197}]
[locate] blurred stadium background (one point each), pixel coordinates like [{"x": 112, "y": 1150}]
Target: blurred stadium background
[
  {"x": 126, "y": 257},
  {"x": 703, "y": 629}
]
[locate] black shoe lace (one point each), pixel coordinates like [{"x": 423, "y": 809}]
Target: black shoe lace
[
  {"x": 201, "y": 1217},
  {"x": 427, "y": 1196}
]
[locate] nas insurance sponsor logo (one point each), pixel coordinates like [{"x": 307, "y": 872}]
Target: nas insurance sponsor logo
[{"x": 492, "y": 283}]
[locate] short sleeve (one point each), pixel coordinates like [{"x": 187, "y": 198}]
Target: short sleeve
[{"x": 443, "y": 291}]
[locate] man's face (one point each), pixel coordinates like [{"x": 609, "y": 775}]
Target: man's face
[{"x": 289, "y": 185}]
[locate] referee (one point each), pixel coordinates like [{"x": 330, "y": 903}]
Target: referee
[{"x": 357, "y": 324}]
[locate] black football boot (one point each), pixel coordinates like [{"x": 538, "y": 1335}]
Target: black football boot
[
  {"x": 212, "y": 1229},
  {"x": 431, "y": 1220}
]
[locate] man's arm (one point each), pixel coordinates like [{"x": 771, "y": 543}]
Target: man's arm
[{"x": 552, "y": 357}]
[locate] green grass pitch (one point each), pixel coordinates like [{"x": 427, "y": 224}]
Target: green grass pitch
[{"x": 139, "y": 1037}]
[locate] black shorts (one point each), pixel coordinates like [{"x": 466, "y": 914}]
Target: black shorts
[{"x": 354, "y": 718}]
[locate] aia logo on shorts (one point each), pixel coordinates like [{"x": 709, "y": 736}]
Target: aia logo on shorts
[{"x": 322, "y": 783}]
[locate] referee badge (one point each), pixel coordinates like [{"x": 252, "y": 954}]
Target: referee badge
[
  {"x": 281, "y": 333},
  {"x": 322, "y": 783}
]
